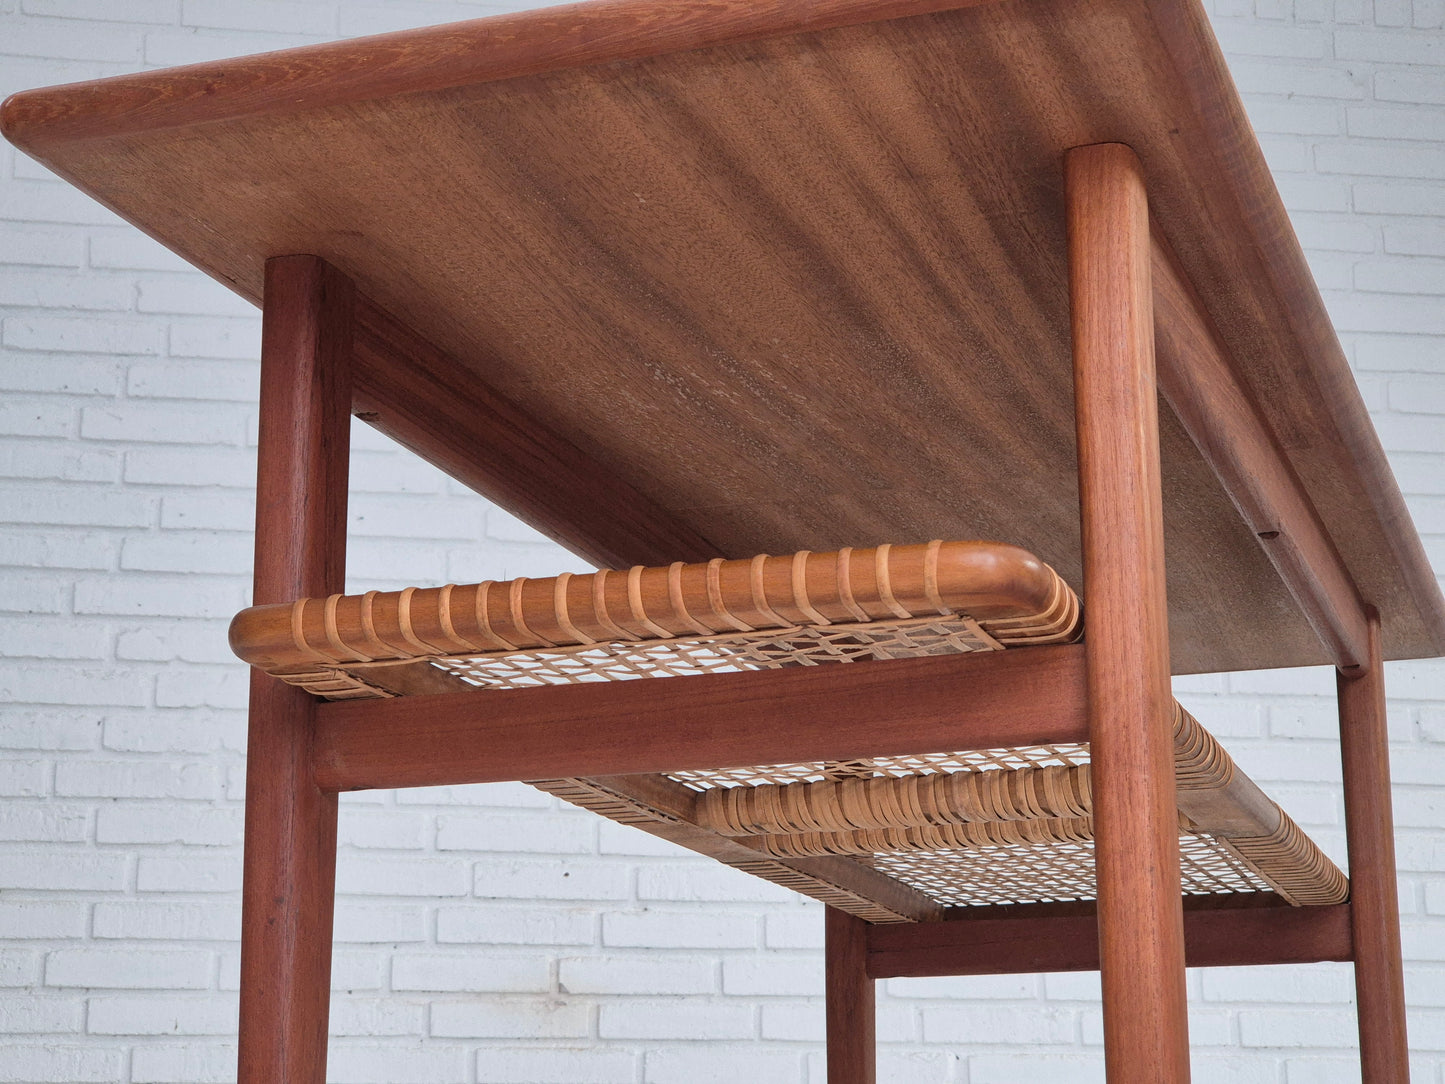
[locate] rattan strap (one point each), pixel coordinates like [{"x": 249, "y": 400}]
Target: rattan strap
[
  {"x": 1027, "y": 794},
  {"x": 933, "y": 837},
  {"x": 1000, "y": 594}
]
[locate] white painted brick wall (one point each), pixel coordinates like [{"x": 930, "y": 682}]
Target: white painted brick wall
[{"x": 487, "y": 933}]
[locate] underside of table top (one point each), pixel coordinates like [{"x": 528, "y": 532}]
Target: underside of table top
[{"x": 794, "y": 272}]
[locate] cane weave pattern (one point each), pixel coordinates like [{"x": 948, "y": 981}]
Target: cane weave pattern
[
  {"x": 1056, "y": 871},
  {"x": 691, "y": 656},
  {"x": 1031, "y": 756}
]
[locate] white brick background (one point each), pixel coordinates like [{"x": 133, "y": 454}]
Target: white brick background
[{"x": 487, "y": 933}]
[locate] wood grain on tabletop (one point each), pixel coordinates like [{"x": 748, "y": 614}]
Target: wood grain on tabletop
[
  {"x": 428, "y": 402},
  {"x": 803, "y": 291}
]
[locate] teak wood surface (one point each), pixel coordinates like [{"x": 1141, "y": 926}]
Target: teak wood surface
[
  {"x": 1040, "y": 937},
  {"x": 1374, "y": 893},
  {"x": 1126, "y": 642},
  {"x": 851, "y": 1005},
  {"x": 987, "y": 700},
  {"x": 290, "y": 858},
  {"x": 743, "y": 276}
]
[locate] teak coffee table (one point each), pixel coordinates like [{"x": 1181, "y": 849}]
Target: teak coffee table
[{"x": 682, "y": 282}]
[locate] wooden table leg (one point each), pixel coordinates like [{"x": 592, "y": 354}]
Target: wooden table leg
[
  {"x": 1141, "y": 935},
  {"x": 1374, "y": 902},
  {"x": 290, "y": 857},
  {"x": 852, "y": 1037}
]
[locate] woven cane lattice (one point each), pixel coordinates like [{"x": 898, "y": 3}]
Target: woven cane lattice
[
  {"x": 1029, "y": 756},
  {"x": 1208, "y": 864},
  {"x": 1017, "y": 874},
  {"x": 691, "y": 656},
  {"x": 1057, "y": 871}
]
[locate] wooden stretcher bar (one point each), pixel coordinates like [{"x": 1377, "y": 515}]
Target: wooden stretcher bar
[
  {"x": 989, "y": 700},
  {"x": 1230, "y": 931}
]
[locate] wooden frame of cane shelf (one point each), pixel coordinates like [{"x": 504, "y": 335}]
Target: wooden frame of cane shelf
[{"x": 568, "y": 256}]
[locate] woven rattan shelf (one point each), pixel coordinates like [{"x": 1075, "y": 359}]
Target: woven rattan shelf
[{"x": 961, "y": 827}]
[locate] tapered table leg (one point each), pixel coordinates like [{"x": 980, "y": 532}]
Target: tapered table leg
[
  {"x": 1141, "y": 936},
  {"x": 290, "y": 856},
  {"x": 1374, "y": 901},
  {"x": 852, "y": 1042}
]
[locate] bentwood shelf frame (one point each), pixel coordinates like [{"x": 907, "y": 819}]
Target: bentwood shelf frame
[{"x": 553, "y": 338}]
